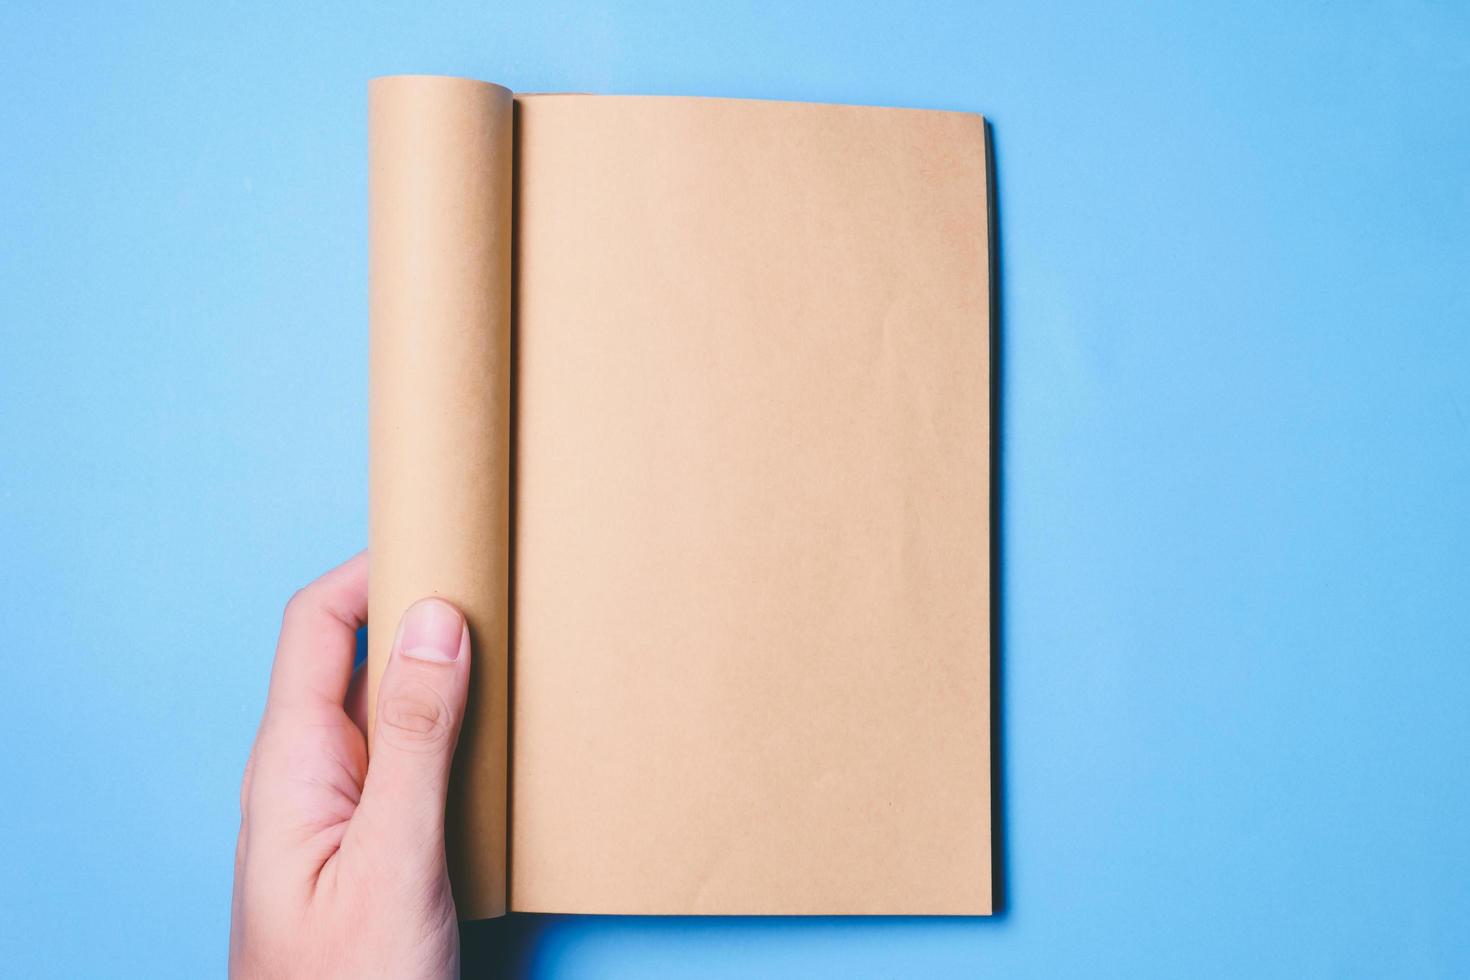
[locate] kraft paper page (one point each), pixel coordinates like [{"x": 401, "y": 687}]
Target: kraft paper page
[
  {"x": 751, "y": 492},
  {"x": 440, "y": 189},
  {"x": 751, "y": 606}
]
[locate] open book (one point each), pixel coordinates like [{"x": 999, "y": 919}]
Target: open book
[{"x": 686, "y": 404}]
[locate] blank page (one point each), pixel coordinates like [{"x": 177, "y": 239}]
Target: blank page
[{"x": 751, "y": 495}]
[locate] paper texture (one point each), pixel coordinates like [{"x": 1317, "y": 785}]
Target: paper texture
[
  {"x": 440, "y": 190},
  {"x": 750, "y": 650},
  {"x": 751, "y": 596}
]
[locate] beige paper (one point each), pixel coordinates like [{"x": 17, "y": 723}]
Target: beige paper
[
  {"x": 440, "y": 427},
  {"x": 751, "y": 541},
  {"x": 751, "y": 596}
]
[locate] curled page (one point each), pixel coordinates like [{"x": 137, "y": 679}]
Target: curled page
[{"x": 440, "y": 158}]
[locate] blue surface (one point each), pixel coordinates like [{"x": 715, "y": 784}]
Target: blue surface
[{"x": 1235, "y": 353}]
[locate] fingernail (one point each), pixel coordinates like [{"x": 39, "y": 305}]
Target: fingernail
[{"x": 432, "y": 630}]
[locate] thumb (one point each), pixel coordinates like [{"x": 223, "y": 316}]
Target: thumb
[{"x": 420, "y": 706}]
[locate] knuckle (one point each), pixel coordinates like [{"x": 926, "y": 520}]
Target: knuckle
[
  {"x": 245, "y": 780},
  {"x": 300, "y": 601},
  {"x": 417, "y": 719}
]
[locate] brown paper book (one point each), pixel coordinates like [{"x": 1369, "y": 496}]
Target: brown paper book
[{"x": 685, "y": 402}]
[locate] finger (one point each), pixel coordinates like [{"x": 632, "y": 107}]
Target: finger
[
  {"x": 420, "y": 706},
  {"x": 245, "y": 782},
  {"x": 319, "y": 637}
]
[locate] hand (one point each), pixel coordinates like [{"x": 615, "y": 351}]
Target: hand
[{"x": 339, "y": 870}]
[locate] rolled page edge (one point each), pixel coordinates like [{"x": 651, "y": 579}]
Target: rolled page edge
[{"x": 440, "y": 191}]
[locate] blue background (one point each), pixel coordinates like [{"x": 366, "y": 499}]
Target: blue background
[{"x": 1234, "y": 459}]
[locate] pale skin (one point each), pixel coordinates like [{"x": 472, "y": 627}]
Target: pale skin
[{"x": 340, "y": 869}]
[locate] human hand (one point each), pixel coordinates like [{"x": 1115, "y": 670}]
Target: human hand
[{"x": 339, "y": 869}]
